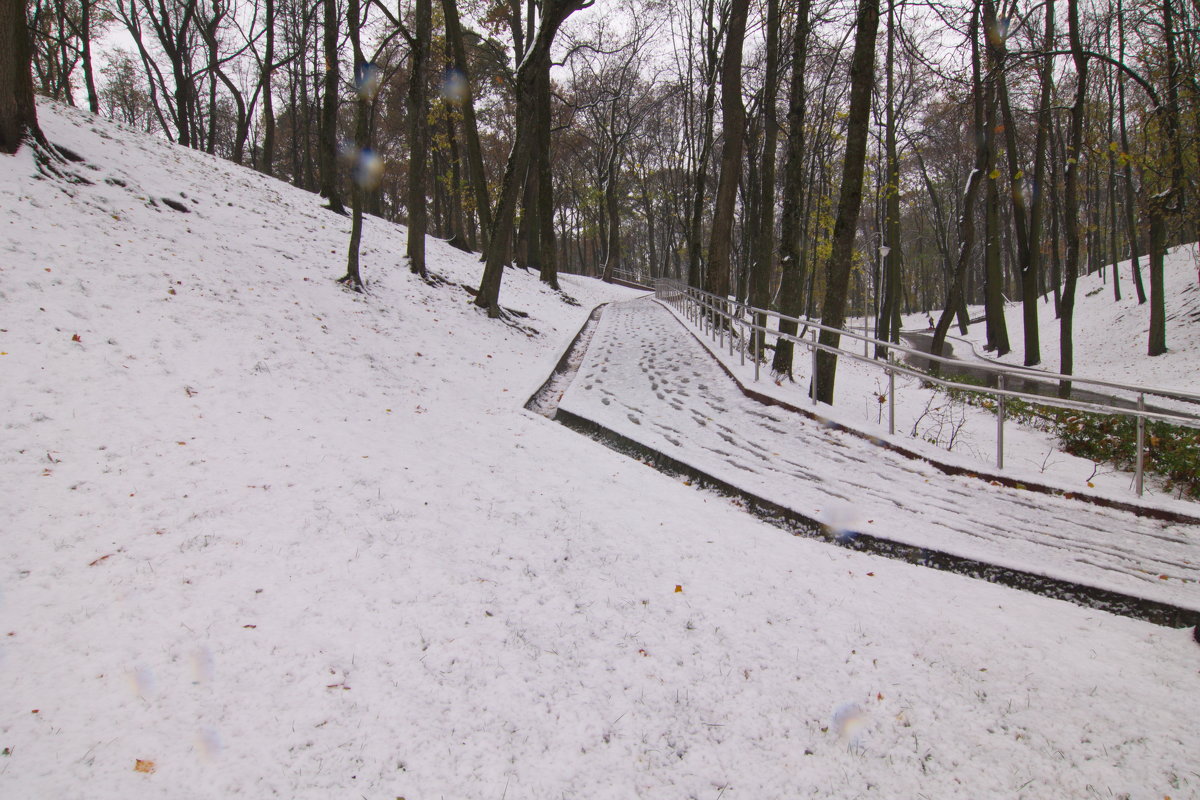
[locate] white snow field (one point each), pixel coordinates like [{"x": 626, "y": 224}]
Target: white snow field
[{"x": 267, "y": 538}]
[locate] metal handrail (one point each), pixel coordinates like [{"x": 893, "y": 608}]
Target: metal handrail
[{"x": 704, "y": 307}]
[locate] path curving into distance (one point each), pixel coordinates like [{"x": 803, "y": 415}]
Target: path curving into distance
[{"x": 645, "y": 378}]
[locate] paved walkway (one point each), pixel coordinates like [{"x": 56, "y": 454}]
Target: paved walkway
[{"x": 646, "y": 378}]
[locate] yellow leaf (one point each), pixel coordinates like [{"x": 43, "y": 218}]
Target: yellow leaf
[
  {"x": 143, "y": 766},
  {"x": 678, "y": 588}
]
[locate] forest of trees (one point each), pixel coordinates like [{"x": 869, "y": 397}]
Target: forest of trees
[{"x": 815, "y": 157}]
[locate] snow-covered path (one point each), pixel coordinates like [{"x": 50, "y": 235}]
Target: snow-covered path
[{"x": 646, "y": 378}]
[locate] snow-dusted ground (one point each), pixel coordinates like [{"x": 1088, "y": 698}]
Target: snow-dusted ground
[
  {"x": 1110, "y": 340},
  {"x": 646, "y": 381},
  {"x": 264, "y": 537}
]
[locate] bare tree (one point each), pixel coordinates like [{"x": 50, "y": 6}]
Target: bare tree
[
  {"x": 791, "y": 249},
  {"x": 733, "y": 123},
  {"x": 535, "y": 61},
  {"x": 833, "y": 312}
]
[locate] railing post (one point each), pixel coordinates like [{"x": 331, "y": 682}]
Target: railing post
[
  {"x": 758, "y": 340},
  {"x": 813, "y": 382},
  {"x": 1141, "y": 442},
  {"x": 731, "y": 330},
  {"x": 742, "y": 322},
  {"x": 1000, "y": 424},
  {"x": 891, "y": 397}
]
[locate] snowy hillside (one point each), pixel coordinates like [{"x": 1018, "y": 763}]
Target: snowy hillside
[
  {"x": 1110, "y": 336},
  {"x": 266, "y": 537}
]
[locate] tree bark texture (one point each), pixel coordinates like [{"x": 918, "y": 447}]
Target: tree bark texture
[
  {"x": 18, "y": 113},
  {"x": 791, "y": 249},
  {"x": 327, "y": 145},
  {"x": 733, "y": 118},
  {"x": 833, "y": 310},
  {"x": 418, "y": 136}
]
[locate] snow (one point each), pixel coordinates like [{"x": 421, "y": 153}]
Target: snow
[
  {"x": 266, "y": 537},
  {"x": 1111, "y": 336}
]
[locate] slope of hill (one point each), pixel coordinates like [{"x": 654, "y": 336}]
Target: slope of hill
[
  {"x": 266, "y": 537},
  {"x": 1110, "y": 335}
]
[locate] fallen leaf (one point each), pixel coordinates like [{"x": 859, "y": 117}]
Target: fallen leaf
[
  {"x": 101, "y": 558},
  {"x": 250, "y": 626},
  {"x": 678, "y": 588},
  {"x": 143, "y": 766},
  {"x": 76, "y": 338}
]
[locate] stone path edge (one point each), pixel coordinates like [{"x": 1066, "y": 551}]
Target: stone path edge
[{"x": 948, "y": 469}]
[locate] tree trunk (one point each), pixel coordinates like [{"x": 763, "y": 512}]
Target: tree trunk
[
  {"x": 18, "y": 113},
  {"x": 1071, "y": 201},
  {"x": 695, "y": 222},
  {"x": 329, "y": 111},
  {"x": 760, "y": 269},
  {"x": 956, "y": 297},
  {"x": 536, "y": 61},
  {"x": 1032, "y": 267},
  {"x": 466, "y": 103},
  {"x": 888, "y": 328},
  {"x": 1169, "y": 200},
  {"x": 733, "y": 119},
  {"x": 86, "y": 7},
  {"x": 1130, "y": 194},
  {"x": 997, "y": 330},
  {"x": 458, "y": 226},
  {"x": 418, "y": 136},
  {"x": 547, "y": 256},
  {"x": 612, "y": 211},
  {"x": 266, "y": 159},
  {"x": 791, "y": 248},
  {"x": 833, "y": 312},
  {"x": 362, "y": 141}
]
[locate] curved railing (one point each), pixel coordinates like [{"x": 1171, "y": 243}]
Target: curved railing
[{"x": 729, "y": 319}]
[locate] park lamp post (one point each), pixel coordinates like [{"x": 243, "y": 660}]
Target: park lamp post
[{"x": 883, "y": 254}]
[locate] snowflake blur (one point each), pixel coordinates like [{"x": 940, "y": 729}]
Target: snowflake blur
[
  {"x": 843, "y": 520},
  {"x": 366, "y": 167},
  {"x": 367, "y": 80},
  {"x": 454, "y": 86},
  {"x": 848, "y": 722}
]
